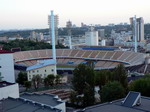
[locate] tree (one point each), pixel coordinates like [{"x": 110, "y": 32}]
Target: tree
[
  {"x": 83, "y": 85},
  {"x": 57, "y": 79},
  {"x": 120, "y": 75},
  {"x": 102, "y": 77},
  {"x": 112, "y": 91},
  {"x": 36, "y": 80},
  {"x": 82, "y": 74},
  {"x": 50, "y": 79},
  {"x": 22, "y": 77},
  {"x": 27, "y": 85},
  {"x": 141, "y": 85},
  {"x": 46, "y": 83}
]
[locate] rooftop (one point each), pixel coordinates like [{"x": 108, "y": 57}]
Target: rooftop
[
  {"x": 5, "y": 51},
  {"x": 41, "y": 64},
  {"x": 18, "y": 105},
  {"x": 47, "y": 99},
  {"x": 119, "y": 106}
]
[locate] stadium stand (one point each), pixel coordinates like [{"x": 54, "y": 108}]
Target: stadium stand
[{"x": 76, "y": 56}]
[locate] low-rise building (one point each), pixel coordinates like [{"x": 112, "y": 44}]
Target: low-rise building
[
  {"x": 7, "y": 66},
  {"x": 42, "y": 68},
  {"x": 8, "y": 90}
]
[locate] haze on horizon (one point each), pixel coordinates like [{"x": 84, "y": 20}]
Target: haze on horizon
[{"x": 28, "y": 14}]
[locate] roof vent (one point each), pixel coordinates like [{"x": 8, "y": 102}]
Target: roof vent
[{"x": 132, "y": 99}]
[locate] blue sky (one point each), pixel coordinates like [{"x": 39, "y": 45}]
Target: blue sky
[{"x": 21, "y": 14}]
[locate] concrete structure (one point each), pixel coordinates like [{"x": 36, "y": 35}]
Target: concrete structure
[
  {"x": 42, "y": 68},
  {"x": 47, "y": 99},
  {"x": 7, "y": 66},
  {"x": 139, "y": 28},
  {"x": 56, "y": 23},
  {"x": 69, "y": 25},
  {"x": 8, "y": 90},
  {"x": 36, "y": 36},
  {"x": 101, "y": 33},
  {"x": 91, "y": 37}
]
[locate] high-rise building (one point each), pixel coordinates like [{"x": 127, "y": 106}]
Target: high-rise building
[
  {"x": 56, "y": 23},
  {"x": 139, "y": 28},
  {"x": 91, "y": 37},
  {"x": 101, "y": 33}
]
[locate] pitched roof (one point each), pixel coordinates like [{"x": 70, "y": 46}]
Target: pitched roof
[{"x": 41, "y": 64}]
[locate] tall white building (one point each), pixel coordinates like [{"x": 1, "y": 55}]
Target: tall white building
[
  {"x": 56, "y": 23},
  {"x": 91, "y": 37},
  {"x": 139, "y": 29},
  {"x": 7, "y": 66}
]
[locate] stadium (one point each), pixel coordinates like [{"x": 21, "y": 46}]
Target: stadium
[{"x": 67, "y": 59}]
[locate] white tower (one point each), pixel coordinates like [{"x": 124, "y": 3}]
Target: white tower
[
  {"x": 52, "y": 32},
  {"x": 135, "y": 33}
]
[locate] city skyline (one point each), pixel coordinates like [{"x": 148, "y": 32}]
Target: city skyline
[{"x": 28, "y": 14}]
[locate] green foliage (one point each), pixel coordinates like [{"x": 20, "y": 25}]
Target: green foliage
[
  {"x": 22, "y": 77},
  {"x": 141, "y": 85},
  {"x": 50, "y": 79},
  {"x": 27, "y": 85},
  {"x": 112, "y": 91},
  {"x": 120, "y": 75},
  {"x": 102, "y": 77},
  {"x": 82, "y": 75},
  {"x": 27, "y": 45},
  {"x": 36, "y": 80},
  {"x": 57, "y": 79},
  {"x": 83, "y": 85}
]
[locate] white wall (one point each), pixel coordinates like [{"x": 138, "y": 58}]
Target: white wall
[
  {"x": 41, "y": 71},
  {"x": 7, "y": 67},
  {"x": 62, "y": 106},
  {"x": 9, "y": 91},
  {"x": 91, "y": 38}
]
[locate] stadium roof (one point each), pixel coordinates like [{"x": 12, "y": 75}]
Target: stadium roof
[{"x": 41, "y": 64}]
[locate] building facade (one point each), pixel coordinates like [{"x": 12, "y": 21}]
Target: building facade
[
  {"x": 42, "y": 68},
  {"x": 7, "y": 66}
]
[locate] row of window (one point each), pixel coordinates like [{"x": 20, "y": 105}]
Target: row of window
[{"x": 38, "y": 71}]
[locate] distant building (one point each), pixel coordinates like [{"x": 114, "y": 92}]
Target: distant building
[
  {"x": 91, "y": 37},
  {"x": 101, "y": 33},
  {"x": 7, "y": 66},
  {"x": 140, "y": 28},
  {"x": 42, "y": 68},
  {"x": 56, "y": 23},
  {"x": 8, "y": 90},
  {"x": 36, "y": 36}
]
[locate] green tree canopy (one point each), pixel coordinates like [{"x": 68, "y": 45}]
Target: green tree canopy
[
  {"x": 36, "y": 80},
  {"x": 27, "y": 85},
  {"x": 120, "y": 75},
  {"x": 112, "y": 91},
  {"x": 141, "y": 85},
  {"x": 22, "y": 77}
]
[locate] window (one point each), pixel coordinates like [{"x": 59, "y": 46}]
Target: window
[
  {"x": 33, "y": 71},
  {"x": 45, "y": 70},
  {"x": 37, "y": 70},
  {"x": 52, "y": 70},
  {"x": 0, "y": 66}
]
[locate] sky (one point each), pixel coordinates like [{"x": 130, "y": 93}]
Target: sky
[{"x": 28, "y": 14}]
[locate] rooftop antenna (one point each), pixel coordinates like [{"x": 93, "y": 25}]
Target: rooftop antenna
[
  {"x": 135, "y": 33},
  {"x": 53, "y": 38}
]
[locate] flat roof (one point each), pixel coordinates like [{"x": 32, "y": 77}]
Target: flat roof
[
  {"x": 18, "y": 105},
  {"x": 47, "y": 99},
  {"x": 117, "y": 106}
]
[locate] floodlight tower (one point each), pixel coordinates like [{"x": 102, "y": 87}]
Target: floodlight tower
[
  {"x": 135, "y": 33},
  {"x": 52, "y": 32}
]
